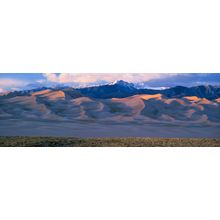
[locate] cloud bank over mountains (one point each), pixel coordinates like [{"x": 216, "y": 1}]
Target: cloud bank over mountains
[
  {"x": 98, "y": 77},
  {"x": 22, "y": 81}
]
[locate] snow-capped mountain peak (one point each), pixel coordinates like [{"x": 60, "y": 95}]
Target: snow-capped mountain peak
[{"x": 122, "y": 83}]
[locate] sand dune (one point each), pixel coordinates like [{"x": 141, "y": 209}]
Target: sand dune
[
  {"x": 156, "y": 96},
  {"x": 53, "y": 106},
  {"x": 79, "y": 101},
  {"x": 134, "y": 103},
  {"x": 41, "y": 93},
  {"x": 192, "y": 98},
  {"x": 217, "y": 100},
  {"x": 54, "y": 112},
  {"x": 54, "y": 95}
]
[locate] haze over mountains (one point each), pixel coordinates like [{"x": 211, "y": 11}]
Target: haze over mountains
[{"x": 116, "y": 104}]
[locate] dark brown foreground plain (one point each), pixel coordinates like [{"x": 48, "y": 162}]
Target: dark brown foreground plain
[{"x": 106, "y": 142}]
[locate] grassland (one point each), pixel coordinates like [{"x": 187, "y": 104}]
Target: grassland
[{"x": 106, "y": 142}]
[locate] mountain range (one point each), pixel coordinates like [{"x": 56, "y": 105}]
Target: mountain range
[{"x": 122, "y": 89}]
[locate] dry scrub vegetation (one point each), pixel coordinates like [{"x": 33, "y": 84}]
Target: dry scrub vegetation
[{"x": 107, "y": 142}]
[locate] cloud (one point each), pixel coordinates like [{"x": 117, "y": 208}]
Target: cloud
[
  {"x": 152, "y": 80},
  {"x": 7, "y": 83},
  {"x": 187, "y": 79},
  {"x": 98, "y": 77},
  {"x": 149, "y": 80},
  {"x": 52, "y": 77},
  {"x": 2, "y": 90}
]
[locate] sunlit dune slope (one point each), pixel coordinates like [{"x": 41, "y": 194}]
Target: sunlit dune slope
[{"x": 50, "y": 95}]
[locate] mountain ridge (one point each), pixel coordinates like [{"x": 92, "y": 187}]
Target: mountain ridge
[{"x": 122, "y": 89}]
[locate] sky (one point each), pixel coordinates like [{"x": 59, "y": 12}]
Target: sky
[{"x": 20, "y": 81}]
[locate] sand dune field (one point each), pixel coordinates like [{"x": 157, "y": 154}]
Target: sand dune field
[{"x": 55, "y": 113}]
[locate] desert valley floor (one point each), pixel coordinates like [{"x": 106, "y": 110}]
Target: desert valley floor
[{"x": 91, "y": 129}]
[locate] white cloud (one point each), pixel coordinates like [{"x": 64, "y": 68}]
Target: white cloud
[
  {"x": 2, "y": 90},
  {"x": 96, "y": 77},
  {"x": 11, "y": 83},
  {"x": 52, "y": 77}
]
